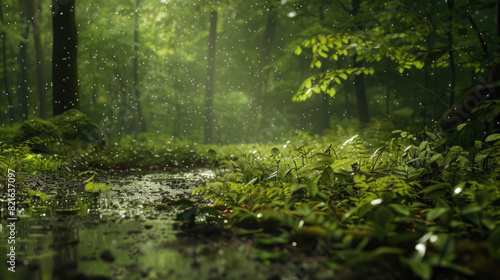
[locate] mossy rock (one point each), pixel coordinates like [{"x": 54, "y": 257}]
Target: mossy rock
[
  {"x": 76, "y": 126},
  {"x": 71, "y": 128},
  {"x": 38, "y": 134}
]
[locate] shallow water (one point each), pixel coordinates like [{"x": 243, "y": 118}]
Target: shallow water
[{"x": 122, "y": 234}]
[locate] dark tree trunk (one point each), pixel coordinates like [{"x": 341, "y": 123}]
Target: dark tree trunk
[
  {"x": 23, "y": 60},
  {"x": 360, "y": 89},
  {"x": 359, "y": 80},
  {"x": 40, "y": 61},
  {"x": 209, "y": 120},
  {"x": 388, "y": 89},
  {"x": 495, "y": 71},
  {"x": 64, "y": 57},
  {"x": 323, "y": 122},
  {"x": 140, "y": 117},
  {"x": 347, "y": 104},
  {"x": 5, "y": 72},
  {"x": 451, "y": 55},
  {"x": 261, "y": 74}
]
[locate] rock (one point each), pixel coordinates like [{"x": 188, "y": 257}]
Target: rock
[
  {"x": 38, "y": 134},
  {"x": 72, "y": 128},
  {"x": 74, "y": 125}
]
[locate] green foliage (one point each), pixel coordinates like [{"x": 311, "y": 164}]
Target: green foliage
[
  {"x": 39, "y": 134},
  {"x": 22, "y": 159},
  {"x": 411, "y": 197}
]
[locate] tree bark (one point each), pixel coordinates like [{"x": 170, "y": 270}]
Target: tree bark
[
  {"x": 23, "y": 59},
  {"x": 64, "y": 57},
  {"x": 40, "y": 61},
  {"x": 209, "y": 120},
  {"x": 451, "y": 55},
  {"x": 5, "y": 73},
  {"x": 359, "y": 80},
  {"x": 140, "y": 117},
  {"x": 323, "y": 122},
  {"x": 360, "y": 89},
  {"x": 261, "y": 74}
]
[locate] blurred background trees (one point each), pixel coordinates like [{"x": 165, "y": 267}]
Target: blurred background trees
[{"x": 274, "y": 66}]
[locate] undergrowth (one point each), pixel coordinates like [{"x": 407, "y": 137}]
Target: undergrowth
[
  {"x": 362, "y": 200},
  {"x": 411, "y": 204}
]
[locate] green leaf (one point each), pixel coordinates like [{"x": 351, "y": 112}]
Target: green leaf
[
  {"x": 331, "y": 91},
  {"x": 308, "y": 83},
  {"x": 471, "y": 208},
  {"x": 266, "y": 256},
  {"x": 436, "y": 213},
  {"x": 343, "y": 76},
  {"x": 296, "y": 187},
  {"x": 382, "y": 216},
  {"x": 401, "y": 209},
  {"x": 318, "y": 63},
  {"x": 298, "y": 50},
  {"x": 481, "y": 198},
  {"x": 492, "y": 137},
  {"x": 461, "y": 126},
  {"x": 305, "y": 209},
  {"x": 420, "y": 268}
]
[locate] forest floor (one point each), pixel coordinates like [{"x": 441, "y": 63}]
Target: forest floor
[
  {"x": 382, "y": 204},
  {"x": 130, "y": 231}
]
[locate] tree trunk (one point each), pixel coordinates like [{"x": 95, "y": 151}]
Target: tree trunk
[
  {"x": 40, "y": 61},
  {"x": 5, "y": 73},
  {"x": 23, "y": 83},
  {"x": 388, "y": 89},
  {"x": 360, "y": 89},
  {"x": 261, "y": 74},
  {"x": 347, "y": 104},
  {"x": 323, "y": 122},
  {"x": 209, "y": 121},
  {"x": 496, "y": 69},
  {"x": 64, "y": 57},
  {"x": 359, "y": 80},
  {"x": 451, "y": 55},
  {"x": 140, "y": 117}
]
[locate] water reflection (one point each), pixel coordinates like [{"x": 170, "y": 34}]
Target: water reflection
[{"x": 121, "y": 234}]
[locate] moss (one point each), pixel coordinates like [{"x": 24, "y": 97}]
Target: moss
[
  {"x": 38, "y": 134},
  {"x": 72, "y": 128},
  {"x": 78, "y": 128}
]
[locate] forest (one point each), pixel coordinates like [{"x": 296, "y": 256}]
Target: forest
[{"x": 262, "y": 139}]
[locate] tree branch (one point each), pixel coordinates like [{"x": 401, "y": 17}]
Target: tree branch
[{"x": 343, "y": 6}]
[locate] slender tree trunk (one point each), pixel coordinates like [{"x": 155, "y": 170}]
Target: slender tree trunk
[
  {"x": 137, "y": 93},
  {"x": 5, "y": 72},
  {"x": 451, "y": 55},
  {"x": 359, "y": 80},
  {"x": 209, "y": 120},
  {"x": 40, "y": 61},
  {"x": 323, "y": 122},
  {"x": 388, "y": 89},
  {"x": 64, "y": 57},
  {"x": 347, "y": 104},
  {"x": 495, "y": 71},
  {"x": 23, "y": 59},
  {"x": 360, "y": 89},
  {"x": 261, "y": 74}
]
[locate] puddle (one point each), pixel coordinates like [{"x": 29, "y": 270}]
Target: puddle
[{"x": 121, "y": 234}]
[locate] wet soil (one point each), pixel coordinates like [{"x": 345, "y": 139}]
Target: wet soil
[{"x": 126, "y": 232}]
